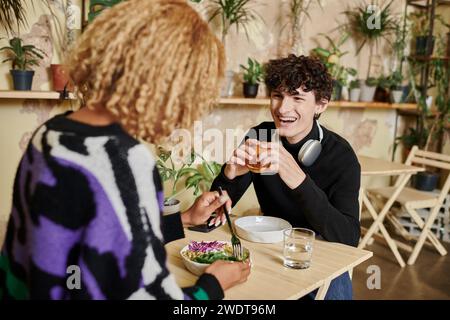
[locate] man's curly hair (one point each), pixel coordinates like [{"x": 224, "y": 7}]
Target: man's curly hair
[{"x": 289, "y": 74}]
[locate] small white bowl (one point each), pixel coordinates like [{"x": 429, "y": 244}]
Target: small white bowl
[
  {"x": 261, "y": 229},
  {"x": 199, "y": 268}
]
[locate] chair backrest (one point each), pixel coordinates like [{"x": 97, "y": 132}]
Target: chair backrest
[{"x": 431, "y": 159}]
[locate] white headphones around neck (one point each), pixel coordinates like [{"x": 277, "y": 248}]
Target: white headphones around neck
[{"x": 311, "y": 149}]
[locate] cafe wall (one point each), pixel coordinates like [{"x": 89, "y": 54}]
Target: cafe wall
[{"x": 370, "y": 132}]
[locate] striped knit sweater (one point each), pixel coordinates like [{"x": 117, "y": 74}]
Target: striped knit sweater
[{"x": 90, "y": 197}]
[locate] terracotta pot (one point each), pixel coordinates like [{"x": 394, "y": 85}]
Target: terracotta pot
[{"x": 60, "y": 78}]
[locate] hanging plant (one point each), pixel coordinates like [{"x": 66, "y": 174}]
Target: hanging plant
[
  {"x": 369, "y": 24},
  {"x": 298, "y": 14},
  {"x": 12, "y": 15},
  {"x": 237, "y": 13}
]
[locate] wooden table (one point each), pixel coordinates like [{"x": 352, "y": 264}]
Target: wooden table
[
  {"x": 378, "y": 167},
  {"x": 269, "y": 279}
]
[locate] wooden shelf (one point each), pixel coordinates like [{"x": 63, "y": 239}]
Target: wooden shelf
[
  {"x": 245, "y": 101},
  {"x": 372, "y": 105},
  {"x": 423, "y": 4},
  {"x": 44, "y": 95},
  {"x": 332, "y": 104},
  {"x": 428, "y": 58}
]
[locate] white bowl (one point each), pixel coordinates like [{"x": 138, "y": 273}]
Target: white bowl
[
  {"x": 199, "y": 268},
  {"x": 262, "y": 229}
]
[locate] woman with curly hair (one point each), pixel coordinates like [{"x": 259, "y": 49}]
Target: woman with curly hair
[
  {"x": 317, "y": 178},
  {"x": 86, "y": 221}
]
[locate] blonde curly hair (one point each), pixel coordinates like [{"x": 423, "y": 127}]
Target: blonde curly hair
[{"x": 154, "y": 64}]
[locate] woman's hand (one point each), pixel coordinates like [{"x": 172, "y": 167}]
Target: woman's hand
[
  {"x": 203, "y": 207},
  {"x": 228, "y": 273}
]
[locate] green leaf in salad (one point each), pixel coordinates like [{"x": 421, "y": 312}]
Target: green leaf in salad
[{"x": 211, "y": 257}]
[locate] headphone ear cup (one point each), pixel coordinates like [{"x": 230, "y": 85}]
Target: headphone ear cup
[
  {"x": 309, "y": 152},
  {"x": 304, "y": 150}
]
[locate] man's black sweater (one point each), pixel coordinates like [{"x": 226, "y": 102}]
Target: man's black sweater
[{"x": 326, "y": 201}]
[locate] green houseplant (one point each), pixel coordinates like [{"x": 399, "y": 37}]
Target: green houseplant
[
  {"x": 331, "y": 58},
  {"x": 253, "y": 75},
  {"x": 237, "y": 13},
  {"x": 441, "y": 80},
  {"x": 395, "y": 86},
  {"x": 420, "y": 29},
  {"x": 430, "y": 125},
  {"x": 368, "y": 26},
  {"x": 231, "y": 13},
  {"x": 195, "y": 177},
  {"x": 297, "y": 13},
  {"x": 13, "y": 16},
  {"x": 368, "y": 88},
  {"x": 355, "y": 90},
  {"x": 23, "y": 58}
]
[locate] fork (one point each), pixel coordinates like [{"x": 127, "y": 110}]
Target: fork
[{"x": 235, "y": 242}]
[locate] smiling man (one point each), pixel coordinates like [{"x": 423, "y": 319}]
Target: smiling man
[{"x": 317, "y": 178}]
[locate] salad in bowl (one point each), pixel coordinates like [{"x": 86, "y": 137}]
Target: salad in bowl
[{"x": 197, "y": 256}]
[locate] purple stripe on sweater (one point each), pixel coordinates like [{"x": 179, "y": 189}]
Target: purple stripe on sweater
[
  {"x": 105, "y": 232},
  {"x": 57, "y": 293},
  {"x": 50, "y": 244},
  {"x": 160, "y": 195}
]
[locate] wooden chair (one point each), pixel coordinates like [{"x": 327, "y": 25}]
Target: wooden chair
[{"x": 412, "y": 199}]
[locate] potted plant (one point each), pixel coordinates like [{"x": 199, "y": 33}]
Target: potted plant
[
  {"x": 424, "y": 45},
  {"x": 297, "y": 13},
  {"x": 22, "y": 57},
  {"x": 368, "y": 32},
  {"x": 383, "y": 89},
  {"x": 355, "y": 91},
  {"x": 368, "y": 88},
  {"x": 430, "y": 126},
  {"x": 13, "y": 15},
  {"x": 395, "y": 84},
  {"x": 331, "y": 58},
  {"x": 195, "y": 177},
  {"x": 237, "y": 13},
  {"x": 253, "y": 75},
  {"x": 428, "y": 180},
  {"x": 65, "y": 35}
]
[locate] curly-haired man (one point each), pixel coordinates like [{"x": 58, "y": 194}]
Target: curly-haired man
[{"x": 317, "y": 178}]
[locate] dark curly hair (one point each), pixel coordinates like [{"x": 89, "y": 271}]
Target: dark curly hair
[{"x": 289, "y": 74}]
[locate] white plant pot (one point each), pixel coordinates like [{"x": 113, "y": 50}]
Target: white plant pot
[
  {"x": 345, "y": 93},
  {"x": 396, "y": 96},
  {"x": 367, "y": 93},
  {"x": 173, "y": 206},
  {"x": 355, "y": 94}
]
